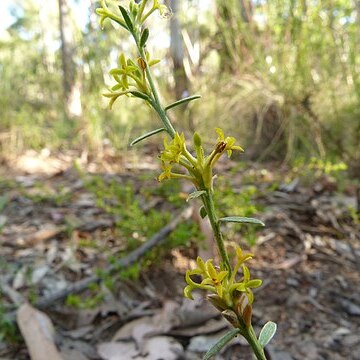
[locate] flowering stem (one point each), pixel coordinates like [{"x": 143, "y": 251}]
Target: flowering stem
[
  {"x": 207, "y": 199},
  {"x": 160, "y": 110},
  {"x": 210, "y": 209}
]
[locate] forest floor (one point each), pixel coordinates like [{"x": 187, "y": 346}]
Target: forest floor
[{"x": 63, "y": 221}]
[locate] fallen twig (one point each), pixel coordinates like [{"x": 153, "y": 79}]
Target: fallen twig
[{"x": 122, "y": 263}]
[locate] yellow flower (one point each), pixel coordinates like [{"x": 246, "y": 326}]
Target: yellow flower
[
  {"x": 212, "y": 280},
  {"x": 225, "y": 289},
  {"x": 173, "y": 150},
  {"x": 166, "y": 174},
  {"x": 105, "y": 13},
  {"x": 226, "y": 143},
  {"x": 246, "y": 284}
]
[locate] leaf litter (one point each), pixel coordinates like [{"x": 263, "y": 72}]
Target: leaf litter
[{"x": 308, "y": 255}]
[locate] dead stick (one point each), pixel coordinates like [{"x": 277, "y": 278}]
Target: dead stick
[{"x": 122, "y": 263}]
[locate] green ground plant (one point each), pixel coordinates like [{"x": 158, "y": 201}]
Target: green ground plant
[
  {"x": 230, "y": 293},
  {"x": 136, "y": 224},
  {"x": 8, "y": 329}
]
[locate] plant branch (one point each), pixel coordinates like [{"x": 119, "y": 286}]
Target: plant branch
[
  {"x": 210, "y": 209},
  {"x": 156, "y": 103}
]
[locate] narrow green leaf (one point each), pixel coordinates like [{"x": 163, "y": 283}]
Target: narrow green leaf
[
  {"x": 267, "y": 333},
  {"x": 145, "y": 136},
  {"x": 203, "y": 212},
  {"x": 126, "y": 17},
  {"x": 182, "y": 101},
  {"x": 121, "y": 23},
  {"x": 195, "y": 195},
  {"x": 144, "y": 37},
  {"x": 242, "y": 220},
  {"x": 139, "y": 95},
  {"x": 221, "y": 343}
]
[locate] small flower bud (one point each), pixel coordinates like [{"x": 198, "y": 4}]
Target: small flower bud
[
  {"x": 217, "y": 302},
  {"x": 197, "y": 140},
  {"x": 231, "y": 317},
  {"x": 247, "y": 315},
  {"x": 220, "y": 147},
  {"x": 241, "y": 301},
  {"x": 142, "y": 63}
]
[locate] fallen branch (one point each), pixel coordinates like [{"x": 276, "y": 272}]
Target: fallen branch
[{"x": 128, "y": 260}]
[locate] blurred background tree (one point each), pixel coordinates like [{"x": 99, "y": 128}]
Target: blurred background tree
[{"x": 282, "y": 75}]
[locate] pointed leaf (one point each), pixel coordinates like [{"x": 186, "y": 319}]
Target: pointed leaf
[
  {"x": 195, "y": 194},
  {"x": 182, "y": 101},
  {"x": 221, "y": 343},
  {"x": 267, "y": 333},
  {"x": 145, "y": 136},
  {"x": 126, "y": 17},
  {"x": 203, "y": 212},
  {"x": 144, "y": 37},
  {"x": 139, "y": 95},
  {"x": 242, "y": 220}
]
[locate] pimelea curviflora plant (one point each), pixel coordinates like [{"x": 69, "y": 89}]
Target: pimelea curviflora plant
[{"x": 228, "y": 291}]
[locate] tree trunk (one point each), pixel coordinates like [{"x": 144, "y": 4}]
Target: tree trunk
[
  {"x": 177, "y": 52},
  {"x": 71, "y": 87}
]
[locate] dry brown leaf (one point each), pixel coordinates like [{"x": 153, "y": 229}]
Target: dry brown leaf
[
  {"x": 211, "y": 326},
  {"x": 38, "y": 332},
  {"x": 126, "y": 332},
  {"x": 70, "y": 354},
  {"x": 117, "y": 350},
  {"x": 47, "y": 232},
  {"x": 159, "y": 347}
]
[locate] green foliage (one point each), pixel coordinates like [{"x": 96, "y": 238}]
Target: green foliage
[
  {"x": 42, "y": 194},
  {"x": 134, "y": 224},
  {"x": 242, "y": 203},
  {"x": 132, "y": 272},
  {"x": 3, "y": 202},
  {"x": 81, "y": 302},
  {"x": 287, "y": 69},
  {"x": 284, "y": 65},
  {"x": 8, "y": 329},
  {"x": 185, "y": 234},
  {"x": 313, "y": 169},
  {"x": 267, "y": 333},
  {"x": 121, "y": 201},
  {"x": 169, "y": 190},
  {"x": 230, "y": 335}
]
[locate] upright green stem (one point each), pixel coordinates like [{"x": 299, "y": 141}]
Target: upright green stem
[
  {"x": 250, "y": 336},
  {"x": 210, "y": 209},
  {"x": 156, "y": 103}
]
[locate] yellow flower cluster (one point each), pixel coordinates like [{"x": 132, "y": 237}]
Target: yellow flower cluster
[
  {"x": 199, "y": 168},
  {"x": 138, "y": 12},
  {"x": 130, "y": 77},
  {"x": 225, "y": 291}
]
